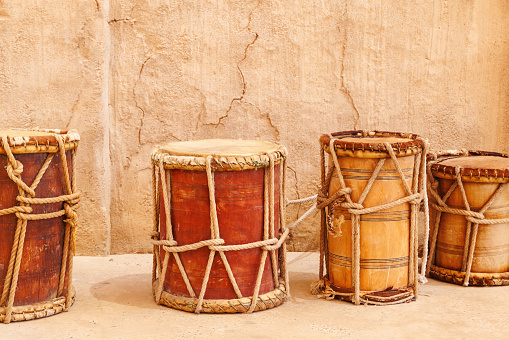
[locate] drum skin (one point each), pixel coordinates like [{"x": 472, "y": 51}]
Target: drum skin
[
  {"x": 44, "y": 240},
  {"x": 491, "y": 254},
  {"x": 384, "y": 235},
  {"x": 239, "y": 199}
]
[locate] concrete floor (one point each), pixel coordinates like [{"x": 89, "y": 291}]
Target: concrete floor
[{"x": 114, "y": 301}]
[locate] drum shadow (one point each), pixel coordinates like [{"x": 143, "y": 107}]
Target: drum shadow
[
  {"x": 130, "y": 290},
  {"x": 300, "y": 283}
]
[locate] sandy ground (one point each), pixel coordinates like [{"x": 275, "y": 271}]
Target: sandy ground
[{"x": 114, "y": 301}]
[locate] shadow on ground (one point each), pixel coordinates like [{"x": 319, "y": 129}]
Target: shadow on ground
[
  {"x": 130, "y": 290},
  {"x": 300, "y": 282}
]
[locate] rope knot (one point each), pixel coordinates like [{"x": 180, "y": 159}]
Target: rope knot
[
  {"x": 417, "y": 200},
  {"x": 15, "y": 169},
  {"x": 352, "y": 206},
  {"x": 22, "y": 213},
  {"x": 72, "y": 216},
  {"x": 475, "y": 219},
  {"x": 322, "y": 200}
]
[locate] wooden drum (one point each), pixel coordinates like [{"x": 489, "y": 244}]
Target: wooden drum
[
  {"x": 38, "y": 198},
  {"x": 469, "y": 204},
  {"x": 219, "y": 226},
  {"x": 370, "y": 197}
]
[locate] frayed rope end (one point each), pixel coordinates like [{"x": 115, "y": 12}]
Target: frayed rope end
[{"x": 317, "y": 287}]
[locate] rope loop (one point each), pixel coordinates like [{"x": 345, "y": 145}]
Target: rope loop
[
  {"x": 16, "y": 169},
  {"x": 169, "y": 243},
  {"x": 192, "y": 246},
  {"x": 352, "y": 206},
  {"x": 14, "y": 173},
  {"x": 72, "y": 216},
  {"x": 322, "y": 200}
]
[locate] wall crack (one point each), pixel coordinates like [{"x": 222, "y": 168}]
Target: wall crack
[
  {"x": 142, "y": 120},
  {"x": 274, "y": 126},
  {"x": 344, "y": 88},
  {"x": 244, "y": 84},
  {"x": 113, "y": 21},
  {"x": 296, "y": 186}
]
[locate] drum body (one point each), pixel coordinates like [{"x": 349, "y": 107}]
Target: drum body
[
  {"x": 385, "y": 234},
  {"x": 35, "y": 232},
  {"x": 387, "y": 240},
  {"x": 463, "y": 244},
  {"x": 242, "y": 193}
]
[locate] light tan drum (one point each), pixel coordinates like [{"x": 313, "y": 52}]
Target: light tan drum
[
  {"x": 370, "y": 199},
  {"x": 469, "y": 201},
  {"x": 220, "y": 226}
]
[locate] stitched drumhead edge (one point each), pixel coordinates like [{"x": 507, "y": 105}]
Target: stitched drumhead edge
[
  {"x": 24, "y": 141},
  {"x": 370, "y": 144}
]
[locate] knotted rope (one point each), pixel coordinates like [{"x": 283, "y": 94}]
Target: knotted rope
[{"x": 26, "y": 198}]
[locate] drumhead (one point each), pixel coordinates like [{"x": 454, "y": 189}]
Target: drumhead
[
  {"x": 370, "y": 144},
  {"x": 227, "y": 154},
  {"x": 38, "y": 141},
  {"x": 485, "y": 167},
  {"x": 220, "y": 147}
]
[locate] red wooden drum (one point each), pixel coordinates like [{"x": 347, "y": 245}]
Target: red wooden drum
[
  {"x": 469, "y": 201},
  {"x": 38, "y": 197},
  {"x": 370, "y": 197},
  {"x": 219, "y": 224}
]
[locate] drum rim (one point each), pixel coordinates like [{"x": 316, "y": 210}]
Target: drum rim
[
  {"x": 40, "y": 309},
  {"x": 414, "y": 145},
  {"x": 219, "y": 162},
  {"x": 40, "y": 144},
  {"x": 476, "y": 175},
  {"x": 268, "y": 300},
  {"x": 475, "y": 278}
]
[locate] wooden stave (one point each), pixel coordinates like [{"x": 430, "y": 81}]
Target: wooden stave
[
  {"x": 452, "y": 231},
  {"x": 44, "y": 239},
  {"x": 365, "y": 236},
  {"x": 173, "y": 281}
]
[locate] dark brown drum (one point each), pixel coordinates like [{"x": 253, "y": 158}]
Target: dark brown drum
[
  {"x": 37, "y": 221},
  {"x": 218, "y": 226}
]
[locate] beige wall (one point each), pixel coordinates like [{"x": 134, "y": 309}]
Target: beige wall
[
  {"x": 131, "y": 75},
  {"x": 51, "y": 75}
]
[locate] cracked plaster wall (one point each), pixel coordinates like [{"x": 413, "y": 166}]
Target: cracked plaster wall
[
  {"x": 51, "y": 76},
  {"x": 283, "y": 71}
]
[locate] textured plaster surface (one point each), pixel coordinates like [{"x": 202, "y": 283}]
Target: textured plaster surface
[
  {"x": 131, "y": 75},
  {"x": 51, "y": 76}
]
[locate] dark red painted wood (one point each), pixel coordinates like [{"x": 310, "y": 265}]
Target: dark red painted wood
[
  {"x": 239, "y": 200},
  {"x": 44, "y": 240}
]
